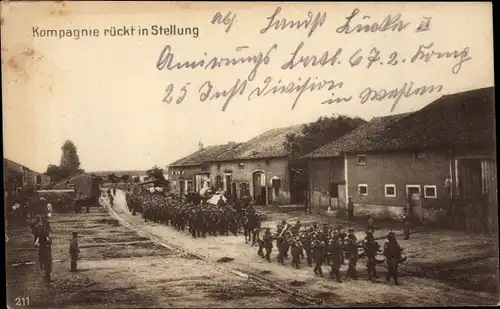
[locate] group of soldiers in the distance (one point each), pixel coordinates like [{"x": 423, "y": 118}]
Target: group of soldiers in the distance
[
  {"x": 318, "y": 245},
  {"x": 195, "y": 213}
]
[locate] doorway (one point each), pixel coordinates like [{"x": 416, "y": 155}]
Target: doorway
[
  {"x": 228, "y": 183},
  {"x": 259, "y": 188},
  {"x": 414, "y": 207}
]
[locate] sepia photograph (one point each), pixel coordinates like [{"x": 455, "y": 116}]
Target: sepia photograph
[{"x": 249, "y": 155}]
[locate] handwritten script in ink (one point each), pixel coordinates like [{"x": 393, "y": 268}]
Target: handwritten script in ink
[{"x": 248, "y": 62}]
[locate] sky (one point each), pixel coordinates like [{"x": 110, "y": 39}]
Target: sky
[{"x": 105, "y": 93}]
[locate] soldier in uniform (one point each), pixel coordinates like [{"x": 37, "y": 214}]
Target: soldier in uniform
[
  {"x": 306, "y": 240},
  {"x": 281, "y": 244},
  {"x": 392, "y": 253},
  {"x": 74, "y": 250},
  {"x": 318, "y": 248},
  {"x": 335, "y": 252},
  {"x": 192, "y": 223},
  {"x": 48, "y": 258},
  {"x": 296, "y": 252},
  {"x": 371, "y": 248},
  {"x": 268, "y": 243},
  {"x": 352, "y": 255},
  {"x": 260, "y": 243},
  {"x": 406, "y": 227}
]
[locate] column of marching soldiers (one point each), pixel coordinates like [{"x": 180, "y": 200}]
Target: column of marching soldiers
[{"x": 316, "y": 245}]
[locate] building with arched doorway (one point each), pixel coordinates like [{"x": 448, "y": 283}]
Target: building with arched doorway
[{"x": 258, "y": 168}]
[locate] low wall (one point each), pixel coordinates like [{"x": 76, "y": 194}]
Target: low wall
[
  {"x": 379, "y": 211},
  {"x": 428, "y": 215}
]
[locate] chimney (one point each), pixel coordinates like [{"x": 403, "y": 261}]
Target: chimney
[{"x": 200, "y": 146}]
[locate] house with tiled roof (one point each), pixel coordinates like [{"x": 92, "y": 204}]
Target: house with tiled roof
[
  {"x": 425, "y": 159},
  {"x": 192, "y": 172},
  {"x": 17, "y": 175},
  {"x": 327, "y": 165},
  {"x": 257, "y": 168}
]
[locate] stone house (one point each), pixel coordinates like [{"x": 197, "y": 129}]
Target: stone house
[{"x": 257, "y": 168}]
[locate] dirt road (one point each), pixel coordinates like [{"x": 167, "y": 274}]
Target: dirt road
[
  {"x": 418, "y": 289},
  {"x": 121, "y": 269}
]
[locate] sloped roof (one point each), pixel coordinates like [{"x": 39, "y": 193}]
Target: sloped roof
[
  {"x": 465, "y": 119},
  {"x": 119, "y": 173},
  {"x": 16, "y": 167},
  {"x": 269, "y": 144},
  {"x": 266, "y": 145},
  {"x": 209, "y": 153},
  {"x": 362, "y": 135}
]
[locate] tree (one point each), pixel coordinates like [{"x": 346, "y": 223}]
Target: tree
[
  {"x": 137, "y": 179},
  {"x": 69, "y": 165},
  {"x": 319, "y": 133},
  {"x": 125, "y": 178},
  {"x": 54, "y": 172},
  {"x": 70, "y": 162},
  {"x": 113, "y": 178},
  {"x": 314, "y": 136},
  {"x": 156, "y": 173}
]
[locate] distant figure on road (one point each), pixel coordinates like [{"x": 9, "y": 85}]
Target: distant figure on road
[
  {"x": 406, "y": 227},
  {"x": 350, "y": 210},
  {"x": 49, "y": 210},
  {"x": 370, "y": 224},
  {"x": 74, "y": 250}
]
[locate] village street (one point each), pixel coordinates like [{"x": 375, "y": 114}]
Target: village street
[
  {"x": 120, "y": 269},
  {"x": 468, "y": 264}
]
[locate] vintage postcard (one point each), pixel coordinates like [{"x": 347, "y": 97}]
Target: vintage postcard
[{"x": 233, "y": 154}]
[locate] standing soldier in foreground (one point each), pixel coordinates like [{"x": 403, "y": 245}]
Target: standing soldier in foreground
[
  {"x": 74, "y": 250},
  {"x": 392, "y": 252},
  {"x": 48, "y": 258},
  {"x": 335, "y": 252},
  {"x": 318, "y": 248},
  {"x": 352, "y": 255},
  {"x": 371, "y": 248}
]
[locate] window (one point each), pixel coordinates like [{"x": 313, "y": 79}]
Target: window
[
  {"x": 182, "y": 172},
  {"x": 25, "y": 180},
  {"x": 38, "y": 179},
  {"x": 218, "y": 167},
  {"x": 218, "y": 182},
  {"x": 361, "y": 160},
  {"x": 390, "y": 190},
  {"x": 430, "y": 191},
  {"x": 189, "y": 185},
  {"x": 244, "y": 189},
  {"x": 241, "y": 166},
  {"x": 412, "y": 189},
  {"x": 363, "y": 189}
]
